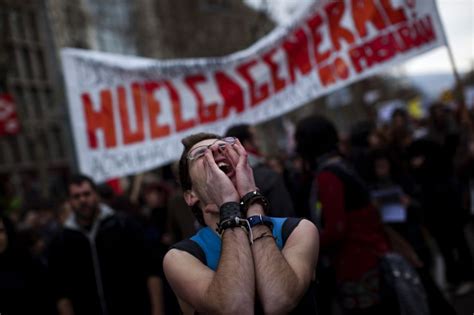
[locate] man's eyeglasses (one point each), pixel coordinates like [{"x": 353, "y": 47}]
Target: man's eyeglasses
[{"x": 199, "y": 151}]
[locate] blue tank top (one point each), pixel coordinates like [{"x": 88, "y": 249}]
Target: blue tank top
[
  {"x": 206, "y": 246},
  {"x": 210, "y": 242}
]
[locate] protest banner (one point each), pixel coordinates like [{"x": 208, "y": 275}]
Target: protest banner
[{"x": 128, "y": 114}]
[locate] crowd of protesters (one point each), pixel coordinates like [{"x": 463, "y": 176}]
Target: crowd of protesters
[{"x": 401, "y": 187}]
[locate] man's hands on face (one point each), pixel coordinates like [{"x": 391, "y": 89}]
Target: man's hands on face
[
  {"x": 243, "y": 178},
  {"x": 221, "y": 188}
]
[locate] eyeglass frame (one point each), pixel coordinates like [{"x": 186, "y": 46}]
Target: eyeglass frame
[{"x": 207, "y": 146}]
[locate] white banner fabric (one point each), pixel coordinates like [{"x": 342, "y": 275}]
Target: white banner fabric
[{"x": 128, "y": 114}]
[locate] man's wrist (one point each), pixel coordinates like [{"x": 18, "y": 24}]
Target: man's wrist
[
  {"x": 258, "y": 219},
  {"x": 250, "y": 201},
  {"x": 229, "y": 199},
  {"x": 230, "y": 210},
  {"x": 260, "y": 229},
  {"x": 230, "y": 217},
  {"x": 255, "y": 209},
  {"x": 236, "y": 231}
]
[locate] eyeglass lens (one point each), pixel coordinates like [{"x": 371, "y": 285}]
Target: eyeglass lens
[{"x": 200, "y": 150}]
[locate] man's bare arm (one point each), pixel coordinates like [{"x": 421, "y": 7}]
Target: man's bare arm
[
  {"x": 231, "y": 289},
  {"x": 283, "y": 277}
]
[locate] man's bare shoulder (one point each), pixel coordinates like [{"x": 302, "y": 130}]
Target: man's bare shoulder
[
  {"x": 187, "y": 275},
  {"x": 174, "y": 258},
  {"x": 306, "y": 230}
]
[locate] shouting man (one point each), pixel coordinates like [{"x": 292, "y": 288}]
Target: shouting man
[{"x": 241, "y": 262}]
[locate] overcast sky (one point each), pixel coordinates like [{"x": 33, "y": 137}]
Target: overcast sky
[
  {"x": 457, "y": 17},
  {"x": 458, "y": 20}
]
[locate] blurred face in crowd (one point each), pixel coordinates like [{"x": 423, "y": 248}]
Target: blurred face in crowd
[
  {"x": 417, "y": 161},
  {"x": 3, "y": 237},
  {"x": 382, "y": 168},
  {"x": 84, "y": 202},
  {"x": 155, "y": 198},
  {"x": 399, "y": 121},
  {"x": 374, "y": 140}
]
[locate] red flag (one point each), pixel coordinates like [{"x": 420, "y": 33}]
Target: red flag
[
  {"x": 9, "y": 123},
  {"x": 116, "y": 186}
]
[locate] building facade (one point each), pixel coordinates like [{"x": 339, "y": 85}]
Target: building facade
[{"x": 35, "y": 162}]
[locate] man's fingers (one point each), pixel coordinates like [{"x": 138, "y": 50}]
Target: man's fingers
[
  {"x": 207, "y": 167},
  {"x": 241, "y": 153},
  {"x": 231, "y": 154},
  {"x": 210, "y": 160},
  {"x": 239, "y": 147},
  {"x": 243, "y": 157}
]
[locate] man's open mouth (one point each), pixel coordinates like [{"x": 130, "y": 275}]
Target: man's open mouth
[{"x": 225, "y": 167}]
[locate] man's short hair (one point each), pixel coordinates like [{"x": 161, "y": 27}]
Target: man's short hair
[
  {"x": 78, "y": 179},
  {"x": 241, "y": 132},
  {"x": 184, "y": 177}
]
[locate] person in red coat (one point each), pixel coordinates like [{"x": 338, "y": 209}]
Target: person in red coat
[{"x": 351, "y": 232}]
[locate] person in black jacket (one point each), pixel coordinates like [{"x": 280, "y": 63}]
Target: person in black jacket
[
  {"x": 98, "y": 263},
  {"x": 23, "y": 285}
]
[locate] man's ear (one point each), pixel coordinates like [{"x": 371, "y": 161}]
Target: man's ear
[{"x": 190, "y": 197}]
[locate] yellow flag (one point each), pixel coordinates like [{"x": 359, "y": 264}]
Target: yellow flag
[{"x": 414, "y": 108}]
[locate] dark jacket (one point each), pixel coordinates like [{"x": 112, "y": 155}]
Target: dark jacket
[
  {"x": 113, "y": 253},
  {"x": 24, "y": 286},
  {"x": 272, "y": 186}
]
